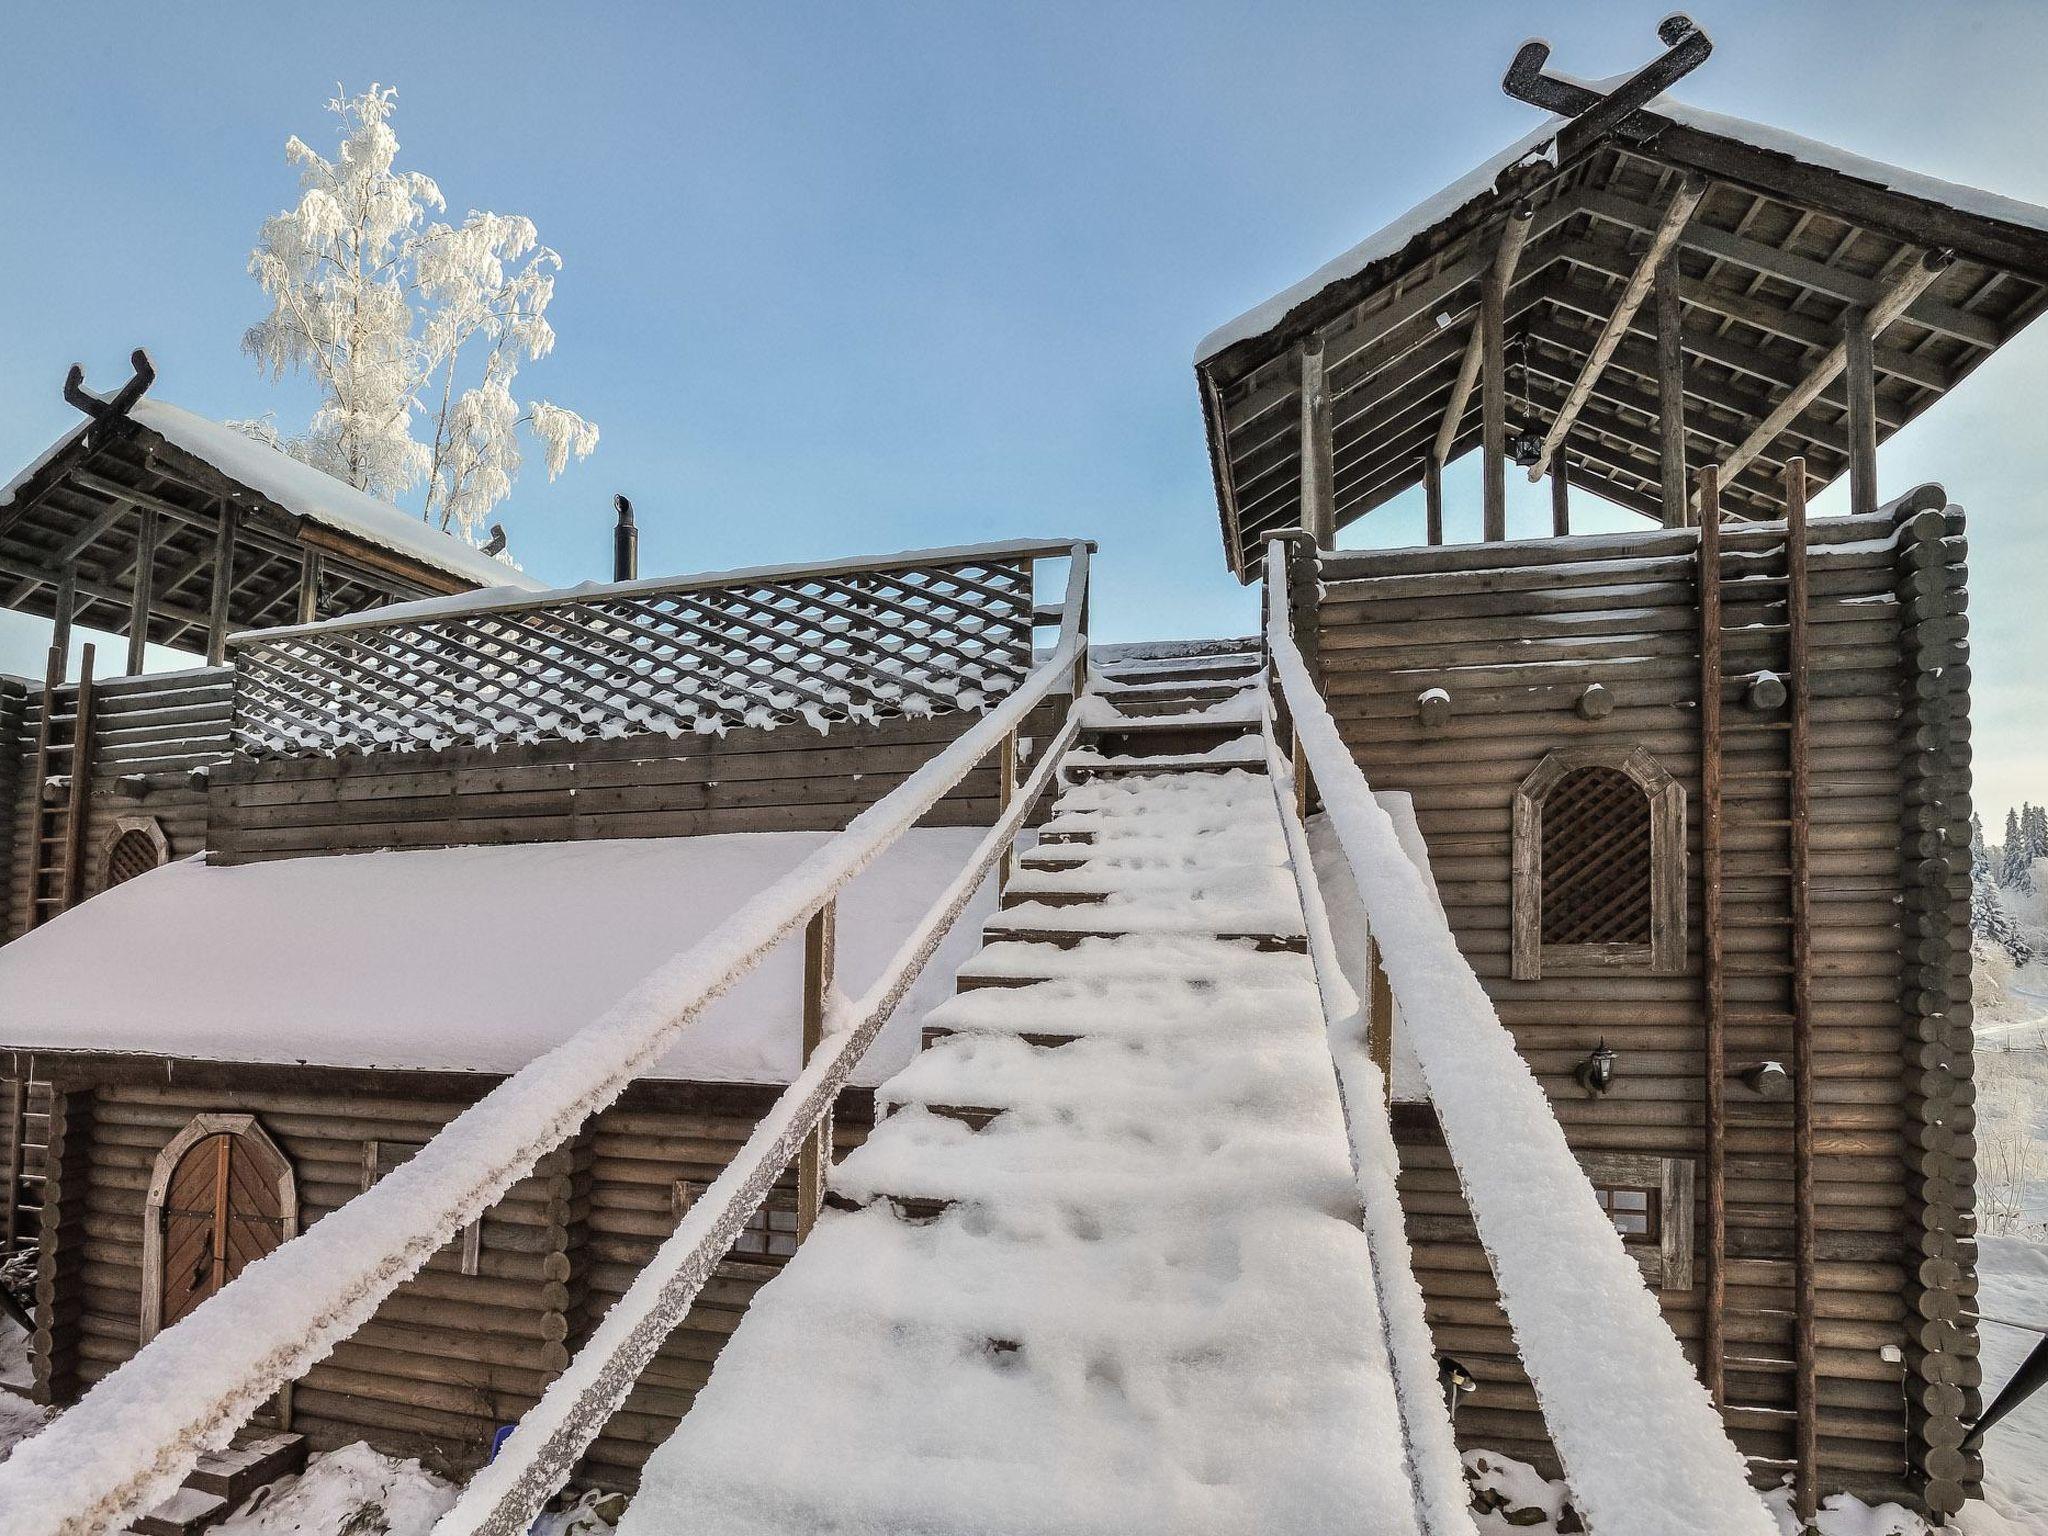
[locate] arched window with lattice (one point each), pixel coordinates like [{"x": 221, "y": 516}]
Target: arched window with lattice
[
  {"x": 1599, "y": 865},
  {"x": 135, "y": 846}
]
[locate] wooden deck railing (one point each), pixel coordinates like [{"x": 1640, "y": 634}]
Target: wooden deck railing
[
  {"x": 911, "y": 634},
  {"x": 1642, "y": 1445},
  {"x": 130, "y": 1440}
]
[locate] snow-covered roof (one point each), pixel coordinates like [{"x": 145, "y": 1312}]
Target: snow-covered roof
[
  {"x": 473, "y": 958},
  {"x": 313, "y": 494},
  {"x": 303, "y": 491},
  {"x": 1390, "y": 239}
]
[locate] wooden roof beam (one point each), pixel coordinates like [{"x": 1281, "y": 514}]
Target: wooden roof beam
[
  {"x": 1910, "y": 279},
  {"x": 1800, "y": 271},
  {"x": 1678, "y": 208}
]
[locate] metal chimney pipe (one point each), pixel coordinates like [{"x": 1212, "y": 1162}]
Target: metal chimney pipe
[{"x": 625, "y": 543}]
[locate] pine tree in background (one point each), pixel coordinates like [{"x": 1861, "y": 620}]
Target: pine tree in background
[
  {"x": 2016, "y": 866},
  {"x": 1989, "y": 920},
  {"x": 408, "y": 326},
  {"x": 2034, "y": 830}
]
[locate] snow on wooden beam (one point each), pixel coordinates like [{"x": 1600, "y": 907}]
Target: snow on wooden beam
[{"x": 1678, "y": 208}]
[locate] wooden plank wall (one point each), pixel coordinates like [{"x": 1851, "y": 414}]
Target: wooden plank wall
[
  {"x": 449, "y": 1357},
  {"x": 1515, "y": 633},
  {"x": 790, "y": 778},
  {"x": 152, "y": 732}
]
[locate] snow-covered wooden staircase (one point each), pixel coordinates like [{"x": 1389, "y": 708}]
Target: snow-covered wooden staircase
[{"x": 1100, "y": 1268}]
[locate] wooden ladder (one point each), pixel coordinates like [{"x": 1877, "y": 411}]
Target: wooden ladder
[
  {"x": 57, "y": 828},
  {"x": 1757, "y": 1349}
]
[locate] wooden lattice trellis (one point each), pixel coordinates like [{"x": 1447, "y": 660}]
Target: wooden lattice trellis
[
  {"x": 1599, "y": 865},
  {"x": 860, "y": 641},
  {"x": 1596, "y": 859},
  {"x": 133, "y": 853}
]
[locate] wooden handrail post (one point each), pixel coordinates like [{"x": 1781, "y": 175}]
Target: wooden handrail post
[
  {"x": 1006, "y": 791},
  {"x": 1379, "y": 1019},
  {"x": 814, "y": 1162}
]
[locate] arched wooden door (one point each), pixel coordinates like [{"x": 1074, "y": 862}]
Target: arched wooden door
[{"x": 221, "y": 1197}]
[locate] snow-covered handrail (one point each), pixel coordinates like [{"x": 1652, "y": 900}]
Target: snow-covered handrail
[
  {"x": 135, "y": 1435},
  {"x": 1443, "y": 1505},
  {"x": 855, "y": 640},
  {"x": 1642, "y": 1445},
  {"x": 504, "y": 1498}
]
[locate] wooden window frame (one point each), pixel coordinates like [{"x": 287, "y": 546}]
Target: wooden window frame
[
  {"x": 472, "y": 1236},
  {"x": 146, "y": 826},
  {"x": 201, "y": 1127},
  {"x": 1664, "y": 955},
  {"x": 1667, "y": 1263}
]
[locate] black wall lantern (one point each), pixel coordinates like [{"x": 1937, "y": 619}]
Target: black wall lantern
[{"x": 1596, "y": 1072}]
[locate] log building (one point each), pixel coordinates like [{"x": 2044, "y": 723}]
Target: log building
[{"x": 1694, "y": 799}]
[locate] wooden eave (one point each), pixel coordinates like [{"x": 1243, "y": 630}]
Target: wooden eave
[
  {"x": 1777, "y": 252},
  {"x": 85, "y": 508}
]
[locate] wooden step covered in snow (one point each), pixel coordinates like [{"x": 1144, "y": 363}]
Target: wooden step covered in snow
[
  {"x": 1098, "y": 1267},
  {"x": 222, "y": 1481}
]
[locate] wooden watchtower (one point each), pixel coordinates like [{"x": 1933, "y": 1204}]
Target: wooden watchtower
[{"x": 1696, "y": 798}]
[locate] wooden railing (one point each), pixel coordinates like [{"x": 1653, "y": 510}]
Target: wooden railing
[
  {"x": 129, "y": 1441},
  {"x": 911, "y": 634},
  {"x": 1442, "y": 1501},
  {"x": 1642, "y": 1445}
]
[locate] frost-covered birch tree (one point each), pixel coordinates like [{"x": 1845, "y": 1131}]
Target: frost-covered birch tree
[{"x": 414, "y": 329}]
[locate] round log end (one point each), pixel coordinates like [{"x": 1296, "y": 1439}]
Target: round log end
[
  {"x": 1433, "y": 709},
  {"x": 1596, "y": 703},
  {"x": 1766, "y": 692}
]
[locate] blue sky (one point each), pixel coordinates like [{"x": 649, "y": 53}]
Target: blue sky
[{"x": 852, "y": 277}]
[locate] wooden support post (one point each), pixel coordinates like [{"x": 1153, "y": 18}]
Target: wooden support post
[
  {"x": 223, "y": 584},
  {"x": 79, "y": 802},
  {"x": 309, "y": 584},
  {"x": 1304, "y": 776},
  {"x": 1493, "y": 412},
  {"x": 1714, "y": 983},
  {"x": 1081, "y": 648},
  {"x": 1560, "y": 500},
  {"x": 814, "y": 1160},
  {"x": 1671, "y": 392},
  {"x": 1859, "y": 378},
  {"x": 139, "y": 592},
  {"x": 65, "y": 605},
  {"x": 1805, "y": 1255},
  {"x": 1318, "y": 490},
  {"x": 1433, "y": 499},
  {"x": 1006, "y": 791}
]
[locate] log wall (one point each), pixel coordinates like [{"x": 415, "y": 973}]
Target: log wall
[
  {"x": 791, "y": 778},
  {"x": 450, "y": 1356},
  {"x": 150, "y": 735},
  {"x": 1516, "y": 633}
]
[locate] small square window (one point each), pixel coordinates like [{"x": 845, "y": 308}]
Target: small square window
[
  {"x": 770, "y": 1233},
  {"x": 1633, "y": 1211}
]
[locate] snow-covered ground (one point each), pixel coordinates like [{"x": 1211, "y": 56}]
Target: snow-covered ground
[{"x": 2013, "y": 1275}]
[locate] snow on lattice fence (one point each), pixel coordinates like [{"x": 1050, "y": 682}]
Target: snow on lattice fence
[
  {"x": 1642, "y": 1445},
  {"x": 923, "y": 634},
  {"x": 133, "y": 1438}
]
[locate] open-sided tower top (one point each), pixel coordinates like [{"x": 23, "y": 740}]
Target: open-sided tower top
[{"x": 1777, "y": 240}]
